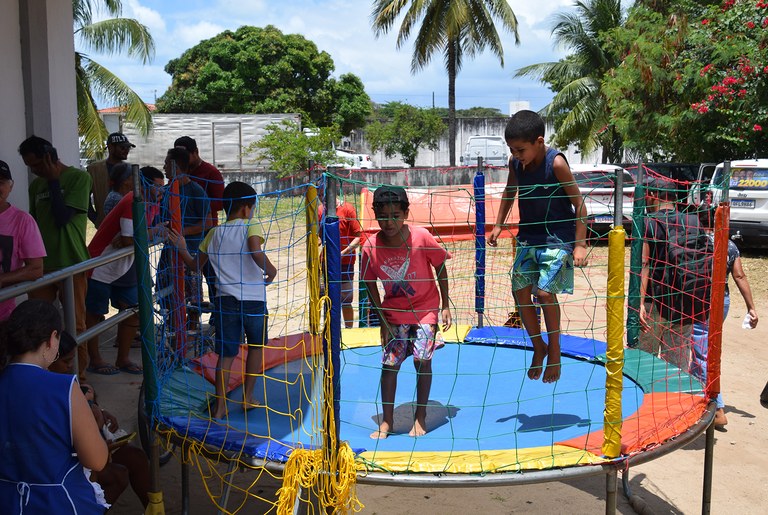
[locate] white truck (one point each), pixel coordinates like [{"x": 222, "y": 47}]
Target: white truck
[
  {"x": 748, "y": 193},
  {"x": 493, "y": 150}
]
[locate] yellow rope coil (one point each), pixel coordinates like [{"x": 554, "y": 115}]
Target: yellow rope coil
[{"x": 308, "y": 470}]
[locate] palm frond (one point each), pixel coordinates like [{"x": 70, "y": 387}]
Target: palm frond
[
  {"x": 119, "y": 35},
  {"x": 90, "y": 126},
  {"x": 110, "y": 87}
]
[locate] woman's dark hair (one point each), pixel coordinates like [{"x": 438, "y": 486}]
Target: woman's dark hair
[
  {"x": 120, "y": 173},
  {"x": 28, "y": 327},
  {"x": 238, "y": 194}
]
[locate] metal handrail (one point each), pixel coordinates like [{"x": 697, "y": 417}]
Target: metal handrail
[
  {"x": 10, "y": 292},
  {"x": 66, "y": 274}
]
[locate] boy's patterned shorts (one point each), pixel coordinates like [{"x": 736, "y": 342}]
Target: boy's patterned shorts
[
  {"x": 420, "y": 340},
  {"x": 547, "y": 269}
]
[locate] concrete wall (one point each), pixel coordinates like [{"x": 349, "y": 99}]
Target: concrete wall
[
  {"x": 37, "y": 93},
  {"x": 465, "y": 127},
  {"x": 267, "y": 182}
]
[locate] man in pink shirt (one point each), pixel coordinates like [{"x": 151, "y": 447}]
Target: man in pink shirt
[
  {"x": 403, "y": 258},
  {"x": 21, "y": 246}
]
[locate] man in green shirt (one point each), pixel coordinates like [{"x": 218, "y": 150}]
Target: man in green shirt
[{"x": 58, "y": 201}]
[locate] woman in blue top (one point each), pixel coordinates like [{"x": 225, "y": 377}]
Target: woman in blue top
[{"x": 47, "y": 431}]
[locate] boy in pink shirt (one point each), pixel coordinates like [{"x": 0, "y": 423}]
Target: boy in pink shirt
[{"x": 403, "y": 257}]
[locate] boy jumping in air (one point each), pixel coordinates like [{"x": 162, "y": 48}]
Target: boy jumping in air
[
  {"x": 243, "y": 271},
  {"x": 551, "y": 238},
  {"x": 403, "y": 257}
]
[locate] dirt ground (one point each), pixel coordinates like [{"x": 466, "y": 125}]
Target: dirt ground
[{"x": 670, "y": 484}]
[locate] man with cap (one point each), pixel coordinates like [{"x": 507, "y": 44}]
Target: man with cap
[
  {"x": 210, "y": 178},
  {"x": 21, "y": 246},
  {"x": 118, "y": 148}
]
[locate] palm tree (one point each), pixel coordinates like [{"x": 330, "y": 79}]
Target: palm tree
[
  {"x": 580, "y": 109},
  {"x": 111, "y": 36},
  {"x": 455, "y": 28}
]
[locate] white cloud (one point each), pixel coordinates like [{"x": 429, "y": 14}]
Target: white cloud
[
  {"x": 152, "y": 19},
  {"x": 342, "y": 28}
]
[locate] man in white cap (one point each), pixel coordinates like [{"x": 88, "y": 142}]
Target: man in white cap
[{"x": 118, "y": 147}]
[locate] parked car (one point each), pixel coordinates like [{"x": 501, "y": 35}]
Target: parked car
[
  {"x": 493, "y": 150},
  {"x": 686, "y": 174},
  {"x": 748, "y": 192},
  {"x": 597, "y": 183},
  {"x": 352, "y": 161}
]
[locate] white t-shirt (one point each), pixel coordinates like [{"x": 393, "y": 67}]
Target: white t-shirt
[{"x": 237, "y": 274}]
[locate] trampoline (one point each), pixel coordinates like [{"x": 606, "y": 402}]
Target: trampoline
[
  {"x": 484, "y": 414},
  {"x": 487, "y": 422}
]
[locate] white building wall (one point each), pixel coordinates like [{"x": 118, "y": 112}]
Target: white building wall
[
  {"x": 37, "y": 93},
  {"x": 13, "y": 125}
]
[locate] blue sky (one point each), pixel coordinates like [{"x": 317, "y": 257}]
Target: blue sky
[{"x": 342, "y": 28}]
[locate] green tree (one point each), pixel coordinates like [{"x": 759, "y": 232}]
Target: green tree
[
  {"x": 693, "y": 84},
  {"x": 409, "y": 129},
  {"x": 457, "y": 29},
  {"x": 116, "y": 35},
  {"x": 579, "y": 108},
  {"x": 288, "y": 148},
  {"x": 725, "y": 65},
  {"x": 649, "y": 103},
  {"x": 262, "y": 70},
  {"x": 351, "y": 104}
]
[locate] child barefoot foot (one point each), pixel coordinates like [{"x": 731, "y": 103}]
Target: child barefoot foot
[
  {"x": 249, "y": 404},
  {"x": 382, "y": 432},
  {"x": 419, "y": 428},
  {"x": 220, "y": 409},
  {"x": 537, "y": 363},
  {"x": 552, "y": 371}
]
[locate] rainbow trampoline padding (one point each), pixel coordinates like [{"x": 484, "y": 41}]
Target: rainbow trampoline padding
[{"x": 484, "y": 414}]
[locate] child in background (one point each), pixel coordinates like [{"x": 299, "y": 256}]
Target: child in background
[
  {"x": 403, "y": 257},
  {"x": 243, "y": 271},
  {"x": 551, "y": 238},
  {"x": 119, "y": 185}
]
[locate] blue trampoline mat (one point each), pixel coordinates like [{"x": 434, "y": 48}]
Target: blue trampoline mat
[{"x": 481, "y": 399}]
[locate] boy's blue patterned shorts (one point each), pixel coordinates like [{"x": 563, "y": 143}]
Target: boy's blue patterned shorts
[{"x": 548, "y": 269}]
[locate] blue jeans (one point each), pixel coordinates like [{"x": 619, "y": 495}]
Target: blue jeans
[
  {"x": 233, "y": 317},
  {"x": 701, "y": 348}
]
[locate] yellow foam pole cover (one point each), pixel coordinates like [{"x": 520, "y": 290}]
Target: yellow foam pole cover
[{"x": 614, "y": 363}]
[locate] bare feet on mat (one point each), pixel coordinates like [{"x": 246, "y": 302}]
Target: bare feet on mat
[
  {"x": 220, "y": 408},
  {"x": 537, "y": 363},
  {"x": 552, "y": 372},
  {"x": 419, "y": 428},
  {"x": 384, "y": 431},
  {"x": 249, "y": 404}
]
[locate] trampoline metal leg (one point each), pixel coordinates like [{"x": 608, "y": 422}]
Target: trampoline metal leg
[
  {"x": 184, "y": 488},
  {"x": 227, "y": 488},
  {"x": 610, "y": 491},
  {"x": 709, "y": 452}
]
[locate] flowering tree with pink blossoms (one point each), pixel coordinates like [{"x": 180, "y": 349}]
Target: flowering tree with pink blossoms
[{"x": 728, "y": 57}]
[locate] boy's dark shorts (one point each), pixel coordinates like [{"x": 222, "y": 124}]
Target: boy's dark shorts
[
  {"x": 233, "y": 317},
  {"x": 99, "y": 295}
]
